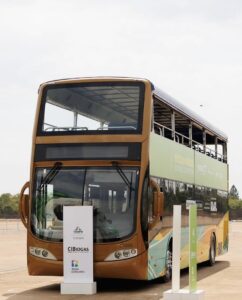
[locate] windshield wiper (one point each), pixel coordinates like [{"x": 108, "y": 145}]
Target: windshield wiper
[
  {"x": 122, "y": 175},
  {"x": 50, "y": 175}
]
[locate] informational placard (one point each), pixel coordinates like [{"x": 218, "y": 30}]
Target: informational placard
[
  {"x": 181, "y": 294},
  {"x": 78, "y": 250},
  {"x": 193, "y": 248}
]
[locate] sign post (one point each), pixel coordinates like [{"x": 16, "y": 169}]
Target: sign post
[
  {"x": 176, "y": 293},
  {"x": 176, "y": 248},
  {"x": 193, "y": 248},
  {"x": 78, "y": 250}
]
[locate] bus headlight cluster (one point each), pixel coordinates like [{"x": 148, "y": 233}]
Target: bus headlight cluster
[
  {"x": 42, "y": 253},
  {"x": 122, "y": 254}
]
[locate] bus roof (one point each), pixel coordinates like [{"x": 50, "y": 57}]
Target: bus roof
[{"x": 195, "y": 118}]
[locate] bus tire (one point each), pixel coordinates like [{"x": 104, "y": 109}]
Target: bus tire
[
  {"x": 212, "y": 251},
  {"x": 168, "y": 273}
]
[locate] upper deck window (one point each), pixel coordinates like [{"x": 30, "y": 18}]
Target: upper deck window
[{"x": 84, "y": 108}]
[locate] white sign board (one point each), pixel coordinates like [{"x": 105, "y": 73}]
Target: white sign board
[{"x": 78, "y": 250}]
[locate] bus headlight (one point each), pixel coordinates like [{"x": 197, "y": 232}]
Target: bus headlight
[
  {"x": 42, "y": 253},
  {"x": 122, "y": 254}
]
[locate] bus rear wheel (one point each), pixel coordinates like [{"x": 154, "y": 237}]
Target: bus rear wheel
[{"x": 212, "y": 251}]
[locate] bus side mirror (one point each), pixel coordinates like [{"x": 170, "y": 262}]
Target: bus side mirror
[
  {"x": 24, "y": 205},
  {"x": 158, "y": 204},
  {"x": 158, "y": 198}
]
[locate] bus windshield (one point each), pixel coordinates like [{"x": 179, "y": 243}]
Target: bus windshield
[
  {"x": 84, "y": 108},
  {"x": 111, "y": 192}
]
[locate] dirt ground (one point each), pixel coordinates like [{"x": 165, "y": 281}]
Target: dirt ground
[{"x": 220, "y": 282}]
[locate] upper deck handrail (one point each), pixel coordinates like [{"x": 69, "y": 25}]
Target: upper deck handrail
[
  {"x": 180, "y": 138},
  {"x": 55, "y": 128}
]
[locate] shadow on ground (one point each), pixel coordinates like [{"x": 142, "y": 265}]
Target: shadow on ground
[{"x": 119, "y": 289}]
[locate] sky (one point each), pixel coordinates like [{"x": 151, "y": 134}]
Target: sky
[{"x": 190, "y": 49}]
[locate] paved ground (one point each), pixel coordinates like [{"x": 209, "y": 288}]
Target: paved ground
[{"x": 223, "y": 281}]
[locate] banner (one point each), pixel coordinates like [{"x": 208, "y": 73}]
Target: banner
[{"x": 78, "y": 244}]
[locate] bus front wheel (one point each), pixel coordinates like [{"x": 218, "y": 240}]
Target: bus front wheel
[
  {"x": 212, "y": 251},
  {"x": 168, "y": 272}
]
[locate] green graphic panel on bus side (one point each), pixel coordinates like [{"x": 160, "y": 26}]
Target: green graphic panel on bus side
[
  {"x": 171, "y": 160},
  {"x": 157, "y": 254},
  {"x": 159, "y": 245},
  {"x": 210, "y": 172},
  {"x": 175, "y": 161}
]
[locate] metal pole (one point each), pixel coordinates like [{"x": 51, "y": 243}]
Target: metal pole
[
  {"x": 75, "y": 119},
  {"x": 173, "y": 125}
]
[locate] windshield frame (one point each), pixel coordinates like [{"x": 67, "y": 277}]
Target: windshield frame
[
  {"x": 140, "y": 84},
  {"x": 134, "y": 199}
]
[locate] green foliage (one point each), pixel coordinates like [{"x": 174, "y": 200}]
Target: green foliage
[
  {"x": 9, "y": 206},
  {"x": 234, "y": 193},
  {"x": 235, "y": 203}
]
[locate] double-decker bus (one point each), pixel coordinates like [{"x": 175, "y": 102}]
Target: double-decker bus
[{"x": 132, "y": 152}]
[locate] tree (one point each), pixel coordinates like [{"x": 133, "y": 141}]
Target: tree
[
  {"x": 234, "y": 193},
  {"x": 9, "y": 205}
]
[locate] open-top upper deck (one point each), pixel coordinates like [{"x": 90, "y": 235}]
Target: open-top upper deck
[{"x": 122, "y": 106}]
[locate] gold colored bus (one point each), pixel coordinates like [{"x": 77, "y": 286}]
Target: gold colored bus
[{"x": 132, "y": 152}]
